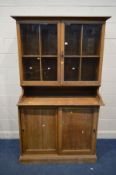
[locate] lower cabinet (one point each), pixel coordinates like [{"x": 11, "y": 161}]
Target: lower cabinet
[{"x": 60, "y": 131}]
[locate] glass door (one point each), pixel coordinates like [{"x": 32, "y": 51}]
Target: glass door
[
  {"x": 54, "y": 53},
  {"x": 40, "y": 62},
  {"x": 80, "y": 53}
]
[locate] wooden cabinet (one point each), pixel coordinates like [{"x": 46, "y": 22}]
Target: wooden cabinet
[
  {"x": 58, "y": 130},
  {"x": 60, "y": 63}
]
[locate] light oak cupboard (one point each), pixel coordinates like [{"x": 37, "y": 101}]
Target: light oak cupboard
[{"x": 60, "y": 64}]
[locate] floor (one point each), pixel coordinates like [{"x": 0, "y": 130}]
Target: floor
[{"x": 105, "y": 165}]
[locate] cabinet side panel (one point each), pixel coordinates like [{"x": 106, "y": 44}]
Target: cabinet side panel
[
  {"x": 19, "y": 52},
  {"x": 101, "y": 51}
]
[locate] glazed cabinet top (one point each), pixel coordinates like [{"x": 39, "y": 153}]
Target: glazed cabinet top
[{"x": 55, "y": 51}]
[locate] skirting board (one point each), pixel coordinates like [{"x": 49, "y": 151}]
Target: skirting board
[
  {"x": 15, "y": 134},
  {"x": 9, "y": 134}
]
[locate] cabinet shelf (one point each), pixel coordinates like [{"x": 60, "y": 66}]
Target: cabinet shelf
[
  {"x": 58, "y": 83},
  {"x": 82, "y": 56},
  {"x": 47, "y": 56},
  {"x": 90, "y": 56},
  {"x": 72, "y": 56}
]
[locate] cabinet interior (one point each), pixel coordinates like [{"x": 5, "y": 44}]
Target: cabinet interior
[{"x": 60, "y": 91}]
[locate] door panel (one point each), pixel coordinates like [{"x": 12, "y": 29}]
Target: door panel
[
  {"x": 80, "y": 50},
  {"x": 76, "y": 130},
  {"x": 39, "y": 129},
  {"x": 40, "y": 53},
  {"x": 71, "y": 51}
]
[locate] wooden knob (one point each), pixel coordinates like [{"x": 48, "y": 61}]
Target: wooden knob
[
  {"x": 82, "y": 131},
  {"x": 43, "y": 125}
]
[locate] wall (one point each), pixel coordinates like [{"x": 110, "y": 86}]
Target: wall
[{"x": 9, "y": 74}]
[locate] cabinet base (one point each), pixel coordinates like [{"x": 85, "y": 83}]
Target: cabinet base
[{"x": 57, "y": 158}]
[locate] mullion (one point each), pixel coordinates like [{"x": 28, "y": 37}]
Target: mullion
[
  {"x": 40, "y": 50},
  {"x": 81, "y": 51}
]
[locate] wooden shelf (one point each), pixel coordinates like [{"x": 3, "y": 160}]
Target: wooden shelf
[
  {"x": 90, "y": 56},
  {"x": 30, "y": 56},
  {"x": 73, "y": 56},
  {"x": 64, "y": 83},
  {"x": 47, "y": 56},
  {"x": 51, "y": 56},
  {"x": 60, "y": 101},
  {"x": 82, "y": 56}
]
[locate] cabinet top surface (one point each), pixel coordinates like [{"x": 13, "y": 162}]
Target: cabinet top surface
[
  {"x": 96, "y": 18},
  {"x": 60, "y": 101}
]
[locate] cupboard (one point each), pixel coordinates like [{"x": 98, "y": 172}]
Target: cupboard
[{"x": 60, "y": 64}]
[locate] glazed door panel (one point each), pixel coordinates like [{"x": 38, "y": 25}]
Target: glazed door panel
[
  {"x": 76, "y": 130},
  {"x": 38, "y": 128},
  {"x": 80, "y": 53},
  {"x": 61, "y": 52},
  {"x": 71, "y": 51},
  {"x": 40, "y": 53}
]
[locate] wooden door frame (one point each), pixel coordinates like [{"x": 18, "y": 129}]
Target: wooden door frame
[
  {"x": 20, "y": 55},
  {"x": 81, "y": 82},
  {"x": 22, "y": 128}
]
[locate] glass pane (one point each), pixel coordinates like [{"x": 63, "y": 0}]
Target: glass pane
[
  {"x": 49, "y": 39},
  {"x": 72, "y": 39},
  {"x": 89, "y": 69},
  {"x": 30, "y": 39},
  {"x": 49, "y": 69},
  {"x": 91, "y": 39},
  {"x": 31, "y": 69},
  {"x": 71, "y": 69}
]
